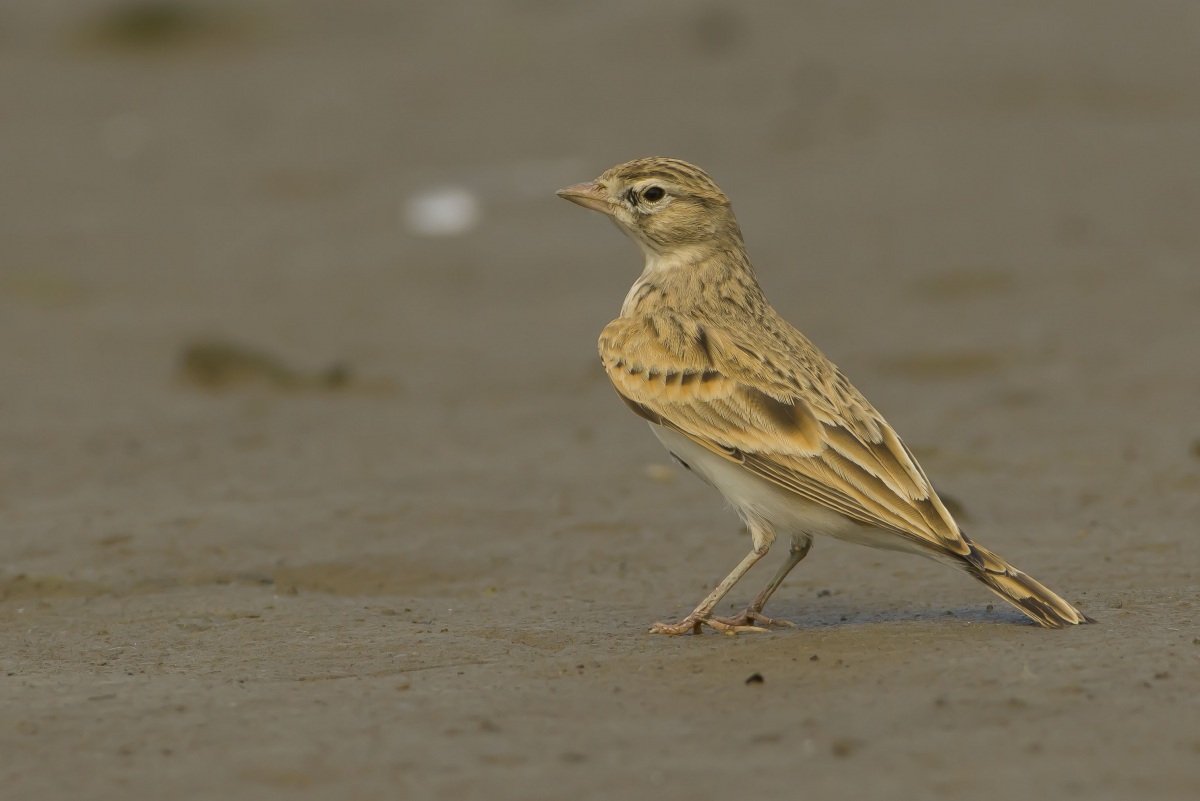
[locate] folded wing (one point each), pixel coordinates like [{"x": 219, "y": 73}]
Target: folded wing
[{"x": 786, "y": 414}]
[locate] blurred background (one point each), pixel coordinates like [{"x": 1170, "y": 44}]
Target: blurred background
[{"x": 288, "y": 309}]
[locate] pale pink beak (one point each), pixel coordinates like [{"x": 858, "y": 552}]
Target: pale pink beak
[{"x": 589, "y": 195}]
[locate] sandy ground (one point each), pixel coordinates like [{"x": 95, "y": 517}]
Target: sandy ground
[{"x": 297, "y": 502}]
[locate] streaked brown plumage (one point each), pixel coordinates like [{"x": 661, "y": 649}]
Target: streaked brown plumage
[{"x": 750, "y": 404}]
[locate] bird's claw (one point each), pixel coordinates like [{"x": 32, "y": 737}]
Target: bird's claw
[
  {"x": 748, "y": 617},
  {"x": 694, "y": 623}
]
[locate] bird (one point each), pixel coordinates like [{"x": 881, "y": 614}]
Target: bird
[{"x": 750, "y": 405}]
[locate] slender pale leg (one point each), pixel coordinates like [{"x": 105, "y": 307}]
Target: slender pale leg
[
  {"x": 702, "y": 614},
  {"x": 801, "y": 543}
]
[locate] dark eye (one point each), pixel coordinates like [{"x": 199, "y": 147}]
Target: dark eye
[{"x": 654, "y": 193}]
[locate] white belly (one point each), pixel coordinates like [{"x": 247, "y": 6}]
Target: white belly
[{"x": 763, "y": 503}]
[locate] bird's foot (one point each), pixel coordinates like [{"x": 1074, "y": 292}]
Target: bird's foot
[
  {"x": 749, "y": 616},
  {"x": 695, "y": 623}
]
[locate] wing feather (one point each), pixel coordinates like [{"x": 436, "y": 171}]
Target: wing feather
[{"x": 788, "y": 417}]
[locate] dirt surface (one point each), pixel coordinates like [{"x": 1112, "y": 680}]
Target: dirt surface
[{"x": 298, "y": 502}]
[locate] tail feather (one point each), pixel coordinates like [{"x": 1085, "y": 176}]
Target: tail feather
[{"x": 1030, "y": 596}]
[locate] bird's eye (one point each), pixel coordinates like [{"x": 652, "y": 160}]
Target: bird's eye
[{"x": 654, "y": 193}]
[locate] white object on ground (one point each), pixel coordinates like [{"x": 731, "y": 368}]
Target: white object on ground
[{"x": 442, "y": 211}]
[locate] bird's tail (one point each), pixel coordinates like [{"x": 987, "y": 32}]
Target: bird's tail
[{"x": 1020, "y": 590}]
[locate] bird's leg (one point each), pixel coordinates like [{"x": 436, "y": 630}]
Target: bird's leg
[
  {"x": 702, "y": 614},
  {"x": 801, "y": 543}
]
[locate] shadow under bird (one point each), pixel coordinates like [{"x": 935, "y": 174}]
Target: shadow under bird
[{"x": 749, "y": 404}]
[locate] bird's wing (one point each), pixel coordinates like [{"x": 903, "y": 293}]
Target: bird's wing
[{"x": 786, "y": 414}]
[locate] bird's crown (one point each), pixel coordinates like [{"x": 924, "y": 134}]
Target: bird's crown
[{"x": 671, "y": 176}]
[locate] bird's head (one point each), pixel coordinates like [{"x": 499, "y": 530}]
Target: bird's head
[{"x": 664, "y": 205}]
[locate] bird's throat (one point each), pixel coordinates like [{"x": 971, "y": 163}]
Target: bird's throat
[{"x": 685, "y": 276}]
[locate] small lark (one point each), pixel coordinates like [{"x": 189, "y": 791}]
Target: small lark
[{"x": 745, "y": 401}]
